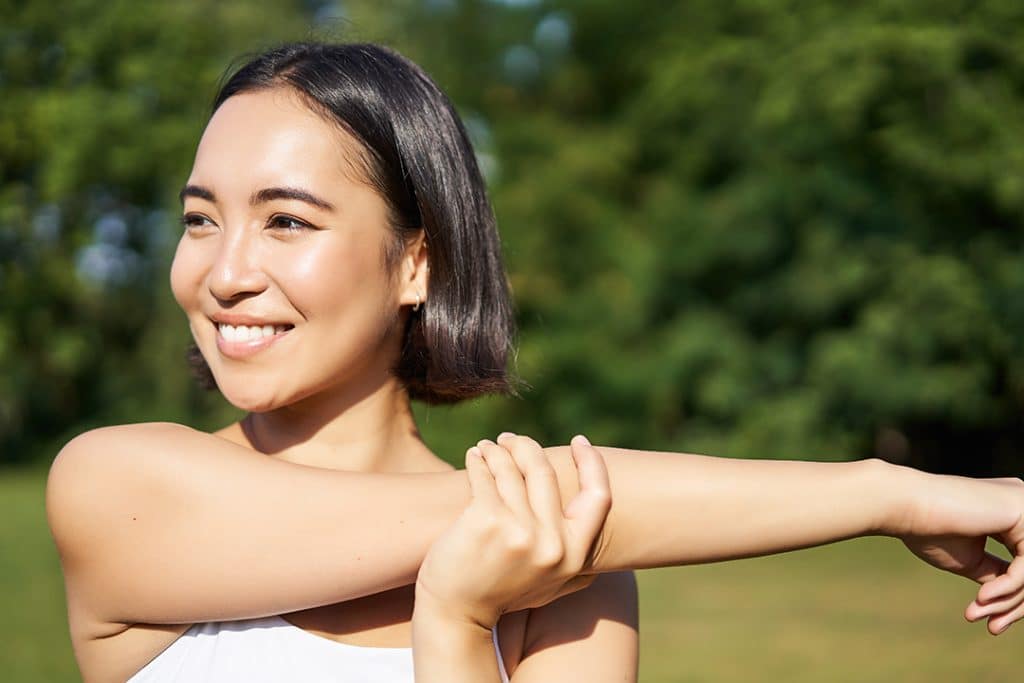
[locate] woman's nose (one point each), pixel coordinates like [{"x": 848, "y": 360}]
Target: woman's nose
[{"x": 237, "y": 272}]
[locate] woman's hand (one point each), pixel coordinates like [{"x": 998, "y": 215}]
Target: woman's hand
[
  {"x": 948, "y": 526},
  {"x": 514, "y": 547}
]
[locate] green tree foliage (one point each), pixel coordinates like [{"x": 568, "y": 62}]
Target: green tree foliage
[
  {"x": 755, "y": 228},
  {"x": 103, "y": 104},
  {"x": 767, "y": 229}
]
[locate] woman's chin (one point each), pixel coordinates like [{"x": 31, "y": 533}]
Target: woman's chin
[{"x": 252, "y": 402}]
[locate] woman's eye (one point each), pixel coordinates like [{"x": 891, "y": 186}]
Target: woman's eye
[
  {"x": 288, "y": 223},
  {"x": 195, "y": 221}
]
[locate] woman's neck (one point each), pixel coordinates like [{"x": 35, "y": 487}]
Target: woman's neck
[{"x": 369, "y": 429}]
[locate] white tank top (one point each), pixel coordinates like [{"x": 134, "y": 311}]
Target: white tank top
[{"x": 274, "y": 649}]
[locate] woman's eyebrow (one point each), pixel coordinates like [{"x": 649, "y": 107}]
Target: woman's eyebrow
[
  {"x": 196, "y": 191},
  {"x": 264, "y": 195},
  {"x": 271, "y": 193}
]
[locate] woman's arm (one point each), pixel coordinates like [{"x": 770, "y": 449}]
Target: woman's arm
[
  {"x": 162, "y": 524},
  {"x": 159, "y": 523},
  {"x": 739, "y": 508}
]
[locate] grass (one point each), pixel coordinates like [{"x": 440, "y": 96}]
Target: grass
[
  {"x": 860, "y": 611},
  {"x": 34, "y": 643}
]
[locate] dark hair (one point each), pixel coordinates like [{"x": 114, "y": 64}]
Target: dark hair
[{"x": 418, "y": 157}]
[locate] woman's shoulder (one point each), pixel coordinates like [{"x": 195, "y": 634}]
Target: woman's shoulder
[
  {"x": 102, "y": 444},
  {"x": 88, "y": 465},
  {"x": 104, "y": 469},
  {"x": 79, "y": 466},
  {"x": 103, "y": 439},
  {"x": 117, "y": 447}
]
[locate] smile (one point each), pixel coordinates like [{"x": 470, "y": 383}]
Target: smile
[
  {"x": 241, "y": 341},
  {"x": 242, "y": 333}
]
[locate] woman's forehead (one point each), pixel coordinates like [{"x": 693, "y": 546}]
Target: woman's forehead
[{"x": 271, "y": 137}]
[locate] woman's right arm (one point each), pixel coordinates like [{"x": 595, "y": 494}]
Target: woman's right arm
[{"x": 161, "y": 524}]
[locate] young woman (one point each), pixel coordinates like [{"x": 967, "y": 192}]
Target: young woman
[{"x": 338, "y": 259}]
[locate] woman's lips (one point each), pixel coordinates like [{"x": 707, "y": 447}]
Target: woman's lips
[{"x": 241, "y": 341}]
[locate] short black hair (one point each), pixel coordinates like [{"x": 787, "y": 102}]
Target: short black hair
[{"x": 418, "y": 156}]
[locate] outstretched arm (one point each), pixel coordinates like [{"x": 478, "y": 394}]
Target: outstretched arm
[
  {"x": 671, "y": 509},
  {"x": 162, "y": 524}
]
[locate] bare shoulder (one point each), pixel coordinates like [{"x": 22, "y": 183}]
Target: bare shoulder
[
  {"x": 125, "y": 450},
  {"x": 100, "y": 467},
  {"x": 592, "y": 632},
  {"x": 76, "y": 474},
  {"x": 104, "y": 446},
  {"x": 91, "y": 448},
  {"x": 83, "y": 481},
  {"x": 125, "y": 433}
]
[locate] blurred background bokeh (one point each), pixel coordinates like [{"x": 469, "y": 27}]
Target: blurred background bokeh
[{"x": 761, "y": 228}]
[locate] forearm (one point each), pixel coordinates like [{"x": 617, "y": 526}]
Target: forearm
[
  {"x": 671, "y": 509},
  {"x": 448, "y": 649}
]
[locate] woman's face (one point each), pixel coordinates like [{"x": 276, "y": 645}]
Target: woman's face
[{"x": 280, "y": 268}]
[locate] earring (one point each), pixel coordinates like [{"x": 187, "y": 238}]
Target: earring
[{"x": 416, "y": 306}]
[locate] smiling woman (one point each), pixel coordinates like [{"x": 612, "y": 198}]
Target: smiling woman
[{"x": 339, "y": 258}]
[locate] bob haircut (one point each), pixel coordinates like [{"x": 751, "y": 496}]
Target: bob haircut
[{"x": 417, "y": 156}]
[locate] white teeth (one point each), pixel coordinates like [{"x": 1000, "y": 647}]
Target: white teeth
[{"x": 240, "y": 333}]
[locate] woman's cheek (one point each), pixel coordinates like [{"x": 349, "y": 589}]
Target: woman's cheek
[
  {"x": 184, "y": 276},
  {"x": 319, "y": 278}
]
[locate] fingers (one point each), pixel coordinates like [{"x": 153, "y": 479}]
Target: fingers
[
  {"x": 527, "y": 482},
  {"x": 507, "y": 478},
  {"x": 999, "y": 624},
  {"x": 977, "y": 611},
  {"x": 1000, "y": 614},
  {"x": 590, "y": 507},
  {"x": 1000, "y": 599},
  {"x": 1006, "y": 582},
  {"x": 481, "y": 481},
  {"x": 988, "y": 569},
  {"x": 542, "y": 490}
]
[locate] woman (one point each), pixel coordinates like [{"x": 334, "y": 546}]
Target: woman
[{"x": 339, "y": 258}]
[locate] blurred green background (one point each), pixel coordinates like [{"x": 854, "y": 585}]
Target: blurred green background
[{"x": 762, "y": 228}]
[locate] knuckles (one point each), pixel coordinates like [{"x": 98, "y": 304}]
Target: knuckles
[
  {"x": 549, "y": 555},
  {"x": 519, "y": 541}
]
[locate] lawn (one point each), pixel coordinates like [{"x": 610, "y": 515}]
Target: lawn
[{"x": 858, "y": 611}]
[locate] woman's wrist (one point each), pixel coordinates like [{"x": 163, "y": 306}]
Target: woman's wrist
[
  {"x": 447, "y": 614},
  {"x": 450, "y": 646},
  {"x": 896, "y": 491}
]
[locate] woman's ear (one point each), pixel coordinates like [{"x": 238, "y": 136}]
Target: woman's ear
[{"x": 414, "y": 273}]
